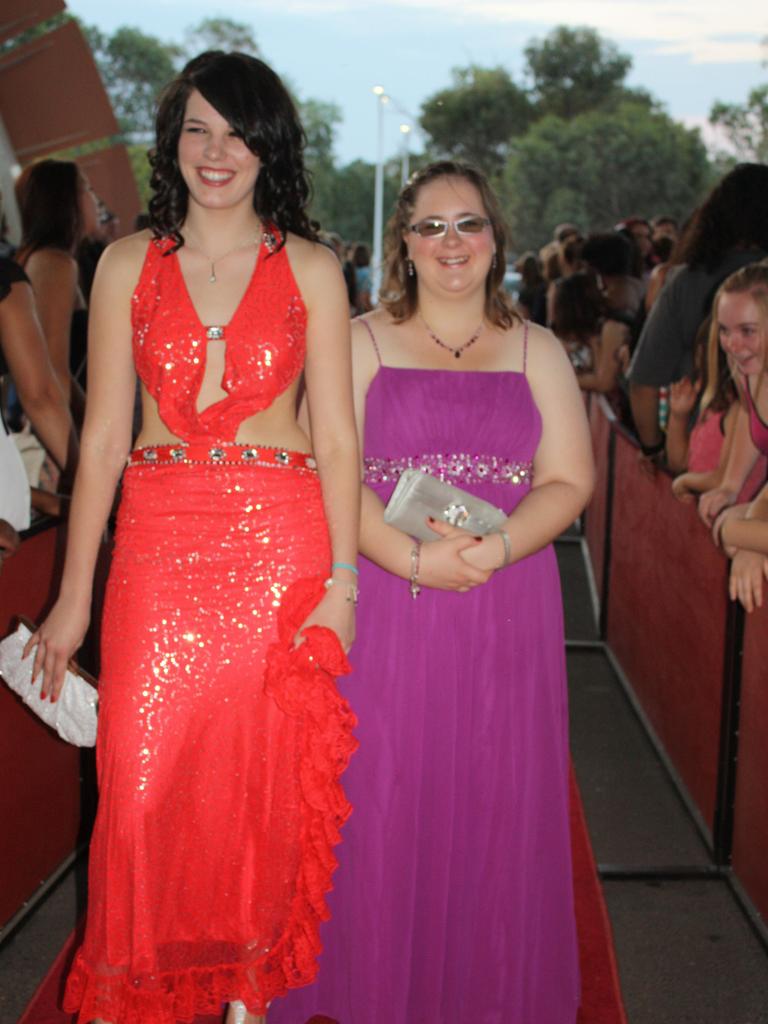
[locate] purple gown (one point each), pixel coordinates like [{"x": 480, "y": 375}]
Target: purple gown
[{"x": 453, "y": 900}]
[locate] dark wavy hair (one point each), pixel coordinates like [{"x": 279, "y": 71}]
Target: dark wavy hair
[
  {"x": 734, "y": 215},
  {"x": 400, "y": 289},
  {"x": 609, "y": 253},
  {"x": 578, "y": 307},
  {"x": 48, "y": 194},
  {"x": 256, "y": 104}
]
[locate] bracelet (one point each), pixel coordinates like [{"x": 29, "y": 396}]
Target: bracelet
[
  {"x": 345, "y": 565},
  {"x": 507, "y": 547},
  {"x": 353, "y": 593},
  {"x": 650, "y": 451},
  {"x": 415, "y": 564}
]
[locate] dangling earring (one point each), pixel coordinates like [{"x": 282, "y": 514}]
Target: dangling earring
[
  {"x": 493, "y": 262},
  {"x": 409, "y": 263}
]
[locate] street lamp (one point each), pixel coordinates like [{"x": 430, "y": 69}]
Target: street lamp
[
  {"x": 378, "y": 195},
  {"x": 406, "y": 158}
]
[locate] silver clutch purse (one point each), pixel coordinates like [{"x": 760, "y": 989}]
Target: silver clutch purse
[
  {"x": 73, "y": 716},
  {"x": 418, "y": 495}
]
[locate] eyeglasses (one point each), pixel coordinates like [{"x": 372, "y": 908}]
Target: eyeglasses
[{"x": 435, "y": 227}]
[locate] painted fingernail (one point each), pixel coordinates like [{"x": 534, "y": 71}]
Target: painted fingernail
[
  {"x": 430, "y": 519},
  {"x": 478, "y": 538}
]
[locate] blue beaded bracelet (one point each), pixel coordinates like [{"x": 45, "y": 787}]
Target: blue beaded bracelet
[{"x": 345, "y": 565}]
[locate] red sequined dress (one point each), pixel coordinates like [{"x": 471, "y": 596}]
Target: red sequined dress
[{"x": 220, "y": 744}]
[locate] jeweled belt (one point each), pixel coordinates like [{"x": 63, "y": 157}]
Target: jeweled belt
[
  {"x": 458, "y": 467},
  {"x": 222, "y": 453}
]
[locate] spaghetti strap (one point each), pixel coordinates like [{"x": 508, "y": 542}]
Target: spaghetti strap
[
  {"x": 525, "y": 345},
  {"x": 368, "y": 328}
]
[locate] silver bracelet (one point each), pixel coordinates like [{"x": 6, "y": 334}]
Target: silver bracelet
[
  {"x": 415, "y": 565},
  {"x": 507, "y": 547},
  {"x": 353, "y": 592}
]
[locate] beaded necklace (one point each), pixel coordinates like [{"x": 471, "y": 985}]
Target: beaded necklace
[{"x": 450, "y": 348}]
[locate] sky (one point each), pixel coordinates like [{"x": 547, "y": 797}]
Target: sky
[{"x": 687, "y": 53}]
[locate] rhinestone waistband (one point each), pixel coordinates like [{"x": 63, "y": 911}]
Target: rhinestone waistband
[
  {"x": 455, "y": 468},
  {"x": 204, "y": 454}
]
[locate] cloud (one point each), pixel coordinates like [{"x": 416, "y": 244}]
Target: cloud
[{"x": 705, "y": 31}]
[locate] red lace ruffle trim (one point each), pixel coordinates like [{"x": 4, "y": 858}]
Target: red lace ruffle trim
[{"x": 301, "y": 682}]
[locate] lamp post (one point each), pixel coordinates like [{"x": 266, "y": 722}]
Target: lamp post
[
  {"x": 378, "y": 194},
  {"x": 405, "y": 165}
]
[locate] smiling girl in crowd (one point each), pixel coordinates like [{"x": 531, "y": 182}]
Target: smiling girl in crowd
[{"x": 740, "y": 316}]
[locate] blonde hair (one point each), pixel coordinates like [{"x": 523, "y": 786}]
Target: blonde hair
[{"x": 751, "y": 280}]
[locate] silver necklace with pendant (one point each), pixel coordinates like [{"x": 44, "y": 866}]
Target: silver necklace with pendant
[
  {"x": 213, "y": 260},
  {"x": 455, "y": 351}
]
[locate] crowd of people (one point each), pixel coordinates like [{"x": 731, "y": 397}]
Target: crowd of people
[
  {"x": 640, "y": 311},
  {"x": 225, "y": 735}
]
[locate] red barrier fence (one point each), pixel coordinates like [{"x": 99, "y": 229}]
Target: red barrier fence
[
  {"x": 40, "y": 794},
  {"x": 697, "y": 666},
  {"x": 45, "y": 807}
]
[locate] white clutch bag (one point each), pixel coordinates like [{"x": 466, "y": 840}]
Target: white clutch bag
[
  {"x": 418, "y": 495},
  {"x": 73, "y": 716}
]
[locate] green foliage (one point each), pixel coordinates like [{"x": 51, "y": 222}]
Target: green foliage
[
  {"x": 574, "y": 70},
  {"x": 476, "y": 117},
  {"x": 599, "y": 167},
  {"x": 343, "y": 199},
  {"x": 137, "y": 154},
  {"x": 319, "y": 120},
  {"x": 220, "y": 34},
  {"x": 134, "y": 68},
  {"x": 35, "y": 31},
  {"x": 745, "y": 125}
]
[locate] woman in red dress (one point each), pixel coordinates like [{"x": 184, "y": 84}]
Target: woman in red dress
[{"x": 221, "y": 733}]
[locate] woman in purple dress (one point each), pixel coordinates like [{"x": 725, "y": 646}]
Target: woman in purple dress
[{"x": 454, "y": 903}]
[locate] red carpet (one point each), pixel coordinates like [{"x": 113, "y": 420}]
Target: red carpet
[{"x": 600, "y": 999}]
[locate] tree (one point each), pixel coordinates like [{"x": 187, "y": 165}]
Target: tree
[
  {"x": 599, "y": 167},
  {"x": 134, "y": 68},
  {"x": 320, "y": 120},
  {"x": 343, "y": 199},
  {"x": 220, "y": 34},
  {"x": 477, "y": 116},
  {"x": 745, "y": 125},
  {"x": 573, "y": 70},
  {"x": 138, "y": 154}
]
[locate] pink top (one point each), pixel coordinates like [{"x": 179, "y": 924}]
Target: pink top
[
  {"x": 705, "y": 443},
  {"x": 704, "y": 446},
  {"x": 757, "y": 428},
  {"x": 265, "y": 342}
]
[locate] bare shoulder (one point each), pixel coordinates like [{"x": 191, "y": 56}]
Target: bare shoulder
[
  {"x": 45, "y": 265},
  {"x": 367, "y": 332},
  {"x": 377, "y": 323},
  {"x": 120, "y": 265},
  {"x": 314, "y": 266},
  {"x": 546, "y": 353}
]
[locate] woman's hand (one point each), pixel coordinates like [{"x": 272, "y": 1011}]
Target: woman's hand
[
  {"x": 442, "y": 562},
  {"x": 682, "y": 490},
  {"x": 712, "y": 503},
  {"x": 489, "y": 554},
  {"x": 54, "y": 644},
  {"x": 335, "y": 612},
  {"x": 748, "y": 571},
  {"x": 682, "y": 396}
]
